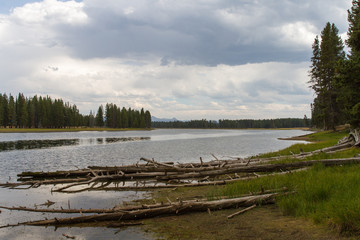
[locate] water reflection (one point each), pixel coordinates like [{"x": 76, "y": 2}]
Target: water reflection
[{"x": 48, "y": 143}]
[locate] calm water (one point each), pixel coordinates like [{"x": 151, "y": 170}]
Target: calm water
[{"x": 63, "y": 151}]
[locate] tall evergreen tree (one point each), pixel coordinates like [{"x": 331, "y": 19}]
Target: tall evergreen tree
[
  {"x": 99, "y": 122},
  {"x": 142, "y": 119},
  {"x": 353, "y": 40},
  {"x": 5, "y": 110},
  {"x": 2, "y": 103},
  {"x": 21, "y": 111},
  {"x": 124, "y": 118},
  {"x": 326, "y": 56},
  {"x": 147, "y": 119},
  {"x": 12, "y": 112},
  {"x": 349, "y": 70}
]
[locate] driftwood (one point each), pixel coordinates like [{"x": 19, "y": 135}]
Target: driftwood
[
  {"x": 204, "y": 174},
  {"x": 262, "y": 168},
  {"x": 163, "y": 175},
  {"x": 143, "y": 171},
  {"x": 165, "y": 209},
  {"x": 242, "y": 211}
]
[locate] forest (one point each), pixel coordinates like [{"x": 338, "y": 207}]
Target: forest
[
  {"x": 45, "y": 112},
  {"x": 243, "y": 123},
  {"x": 335, "y": 75}
]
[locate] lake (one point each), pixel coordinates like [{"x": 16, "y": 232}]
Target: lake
[{"x": 71, "y": 150}]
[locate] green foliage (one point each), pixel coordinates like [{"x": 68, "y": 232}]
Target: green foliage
[
  {"x": 326, "y": 195},
  {"x": 348, "y": 83},
  {"x": 99, "y": 122},
  {"x": 334, "y": 78},
  {"x": 319, "y": 140},
  {"x": 44, "y": 112},
  {"x": 233, "y": 124},
  {"x": 325, "y": 110},
  {"x": 353, "y": 40},
  {"x": 147, "y": 119}
]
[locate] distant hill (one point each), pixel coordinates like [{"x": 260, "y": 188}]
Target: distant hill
[{"x": 155, "y": 119}]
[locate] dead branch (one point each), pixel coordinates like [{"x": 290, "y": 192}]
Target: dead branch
[{"x": 242, "y": 211}]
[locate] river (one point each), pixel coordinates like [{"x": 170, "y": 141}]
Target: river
[{"x": 71, "y": 150}]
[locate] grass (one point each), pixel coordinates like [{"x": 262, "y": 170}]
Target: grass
[
  {"x": 327, "y": 195},
  {"x": 318, "y": 140}
]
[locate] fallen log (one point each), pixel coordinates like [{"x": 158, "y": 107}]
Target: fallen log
[
  {"x": 174, "y": 186},
  {"x": 80, "y": 211},
  {"x": 261, "y": 168},
  {"x": 171, "y": 209},
  {"x": 165, "y": 176}
]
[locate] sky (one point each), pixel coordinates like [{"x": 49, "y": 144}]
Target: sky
[{"x": 204, "y": 59}]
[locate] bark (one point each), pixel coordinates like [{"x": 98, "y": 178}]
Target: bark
[{"x": 171, "y": 209}]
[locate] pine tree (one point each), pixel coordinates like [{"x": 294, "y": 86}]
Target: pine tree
[
  {"x": 147, "y": 119},
  {"x": 99, "y": 122},
  {"x": 326, "y": 56},
  {"x": 353, "y": 40},
  {"x": 2, "y": 103},
  {"x": 124, "y": 118},
  {"x": 142, "y": 119},
  {"x": 348, "y": 79},
  {"x": 12, "y": 112}
]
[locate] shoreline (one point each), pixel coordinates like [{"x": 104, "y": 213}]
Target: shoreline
[
  {"x": 49, "y": 130},
  {"x": 103, "y": 129}
]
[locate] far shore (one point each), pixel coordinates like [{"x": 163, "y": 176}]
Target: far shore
[
  {"x": 40, "y": 130},
  {"x": 103, "y": 129}
]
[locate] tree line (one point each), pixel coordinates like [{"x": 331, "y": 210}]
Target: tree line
[
  {"x": 45, "y": 112},
  {"x": 233, "y": 124},
  {"x": 335, "y": 76},
  {"x": 115, "y": 117}
]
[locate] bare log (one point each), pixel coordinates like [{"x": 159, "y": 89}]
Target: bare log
[
  {"x": 80, "y": 211},
  {"x": 173, "y": 208},
  {"x": 261, "y": 168}
]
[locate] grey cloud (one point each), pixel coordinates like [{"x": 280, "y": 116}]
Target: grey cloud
[{"x": 193, "y": 32}]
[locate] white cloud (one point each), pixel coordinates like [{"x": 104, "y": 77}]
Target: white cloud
[
  {"x": 186, "y": 91},
  {"x": 51, "y": 12},
  {"x": 299, "y": 34}
]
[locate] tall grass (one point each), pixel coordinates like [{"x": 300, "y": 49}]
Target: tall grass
[
  {"x": 326, "y": 195},
  {"x": 329, "y": 195}
]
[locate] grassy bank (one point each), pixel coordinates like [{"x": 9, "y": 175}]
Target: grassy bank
[
  {"x": 329, "y": 195},
  {"x": 325, "y": 205},
  {"x": 325, "y": 195},
  {"x": 37, "y": 130},
  {"x": 317, "y": 141}
]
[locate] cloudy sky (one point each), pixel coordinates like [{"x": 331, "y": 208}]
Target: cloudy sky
[{"x": 187, "y": 59}]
